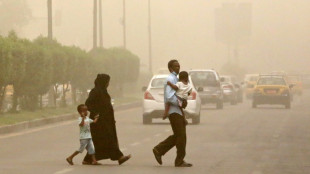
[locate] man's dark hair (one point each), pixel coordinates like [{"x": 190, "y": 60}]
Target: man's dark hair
[
  {"x": 170, "y": 63},
  {"x": 79, "y": 107},
  {"x": 183, "y": 75}
]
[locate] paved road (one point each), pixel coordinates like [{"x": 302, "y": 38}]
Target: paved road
[{"x": 236, "y": 140}]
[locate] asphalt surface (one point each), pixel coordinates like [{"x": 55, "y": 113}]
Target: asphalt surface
[{"x": 235, "y": 140}]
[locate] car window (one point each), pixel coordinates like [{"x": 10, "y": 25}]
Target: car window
[
  {"x": 158, "y": 83},
  {"x": 271, "y": 81},
  {"x": 203, "y": 78},
  {"x": 294, "y": 78},
  {"x": 253, "y": 78}
]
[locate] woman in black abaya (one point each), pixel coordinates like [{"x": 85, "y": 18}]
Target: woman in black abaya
[{"x": 104, "y": 131}]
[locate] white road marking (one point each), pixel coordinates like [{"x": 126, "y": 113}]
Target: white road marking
[
  {"x": 147, "y": 139},
  {"x": 64, "y": 171},
  {"x": 123, "y": 149},
  {"x": 135, "y": 144},
  {"x": 157, "y": 135},
  {"x": 276, "y": 136}
]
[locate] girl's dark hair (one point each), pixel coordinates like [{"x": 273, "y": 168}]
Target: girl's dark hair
[
  {"x": 79, "y": 107},
  {"x": 183, "y": 75},
  {"x": 170, "y": 63}
]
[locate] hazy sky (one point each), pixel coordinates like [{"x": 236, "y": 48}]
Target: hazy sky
[{"x": 185, "y": 30}]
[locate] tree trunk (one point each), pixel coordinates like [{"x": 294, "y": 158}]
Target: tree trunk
[
  {"x": 64, "y": 90},
  {"x": 14, "y": 102},
  {"x": 40, "y": 101},
  {"x": 55, "y": 94},
  {"x": 73, "y": 94},
  {"x": 2, "y": 97}
]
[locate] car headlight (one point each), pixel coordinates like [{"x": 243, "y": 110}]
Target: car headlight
[
  {"x": 285, "y": 93},
  {"x": 257, "y": 92}
]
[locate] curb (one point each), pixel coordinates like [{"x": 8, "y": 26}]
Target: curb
[{"x": 45, "y": 121}]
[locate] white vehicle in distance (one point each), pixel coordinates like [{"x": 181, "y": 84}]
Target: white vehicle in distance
[{"x": 153, "y": 101}]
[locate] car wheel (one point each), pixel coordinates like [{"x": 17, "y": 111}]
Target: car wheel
[
  {"x": 240, "y": 99},
  {"x": 234, "y": 101},
  {"x": 196, "y": 120},
  {"x": 291, "y": 97},
  {"x": 254, "y": 104},
  {"x": 147, "y": 120},
  {"x": 219, "y": 105},
  {"x": 288, "y": 105}
]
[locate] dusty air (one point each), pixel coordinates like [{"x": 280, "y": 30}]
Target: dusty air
[{"x": 154, "y": 86}]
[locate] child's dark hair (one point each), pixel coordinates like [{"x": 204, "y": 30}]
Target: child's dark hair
[
  {"x": 79, "y": 107},
  {"x": 183, "y": 75}
]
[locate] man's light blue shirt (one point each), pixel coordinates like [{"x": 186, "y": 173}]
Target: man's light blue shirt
[{"x": 169, "y": 95}]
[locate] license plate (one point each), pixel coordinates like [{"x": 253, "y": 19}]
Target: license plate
[{"x": 271, "y": 91}]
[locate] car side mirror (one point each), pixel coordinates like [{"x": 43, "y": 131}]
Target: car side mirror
[
  {"x": 200, "y": 89},
  {"x": 144, "y": 88}
]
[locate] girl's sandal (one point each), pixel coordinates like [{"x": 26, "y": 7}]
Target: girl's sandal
[
  {"x": 86, "y": 163},
  {"x": 95, "y": 163},
  {"x": 69, "y": 161}
]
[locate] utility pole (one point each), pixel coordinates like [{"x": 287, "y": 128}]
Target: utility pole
[
  {"x": 100, "y": 24},
  {"x": 150, "y": 36},
  {"x": 95, "y": 25},
  {"x": 124, "y": 24},
  {"x": 50, "y": 20},
  {"x": 51, "y": 93}
]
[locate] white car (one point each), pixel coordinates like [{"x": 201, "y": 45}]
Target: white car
[{"x": 153, "y": 101}]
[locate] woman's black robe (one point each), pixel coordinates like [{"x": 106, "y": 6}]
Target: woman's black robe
[{"x": 104, "y": 131}]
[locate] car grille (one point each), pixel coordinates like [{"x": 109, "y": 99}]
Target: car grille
[{"x": 271, "y": 90}]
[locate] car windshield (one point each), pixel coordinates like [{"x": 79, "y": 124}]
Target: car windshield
[
  {"x": 252, "y": 78},
  {"x": 271, "y": 81},
  {"x": 203, "y": 78},
  {"x": 227, "y": 79},
  {"x": 294, "y": 78},
  {"x": 158, "y": 83}
]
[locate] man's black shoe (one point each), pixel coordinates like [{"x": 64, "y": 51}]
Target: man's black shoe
[
  {"x": 184, "y": 164},
  {"x": 157, "y": 156}
]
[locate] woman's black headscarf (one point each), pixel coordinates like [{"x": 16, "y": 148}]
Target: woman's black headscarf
[{"x": 101, "y": 81}]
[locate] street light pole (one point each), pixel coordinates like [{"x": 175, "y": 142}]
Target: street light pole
[
  {"x": 50, "y": 20},
  {"x": 95, "y": 25},
  {"x": 150, "y": 36},
  {"x": 100, "y": 24},
  {"x": 124, "y": 23}
]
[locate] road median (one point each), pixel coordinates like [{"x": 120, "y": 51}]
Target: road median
[{"x": 55, "y": 119}]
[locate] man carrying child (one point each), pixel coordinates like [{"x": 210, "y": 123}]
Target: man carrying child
[{"x": 177, "y": 121}]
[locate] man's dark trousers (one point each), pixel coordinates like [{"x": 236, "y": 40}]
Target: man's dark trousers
[{"x": 178, "y": 138}]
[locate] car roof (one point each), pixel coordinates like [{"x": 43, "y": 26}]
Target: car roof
[
  {"x": 157, "y": 76},
  {"x": 199, "y": 70},
  {"x": 252, "y": 75},
  {"x": 271, "y": 75}
]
